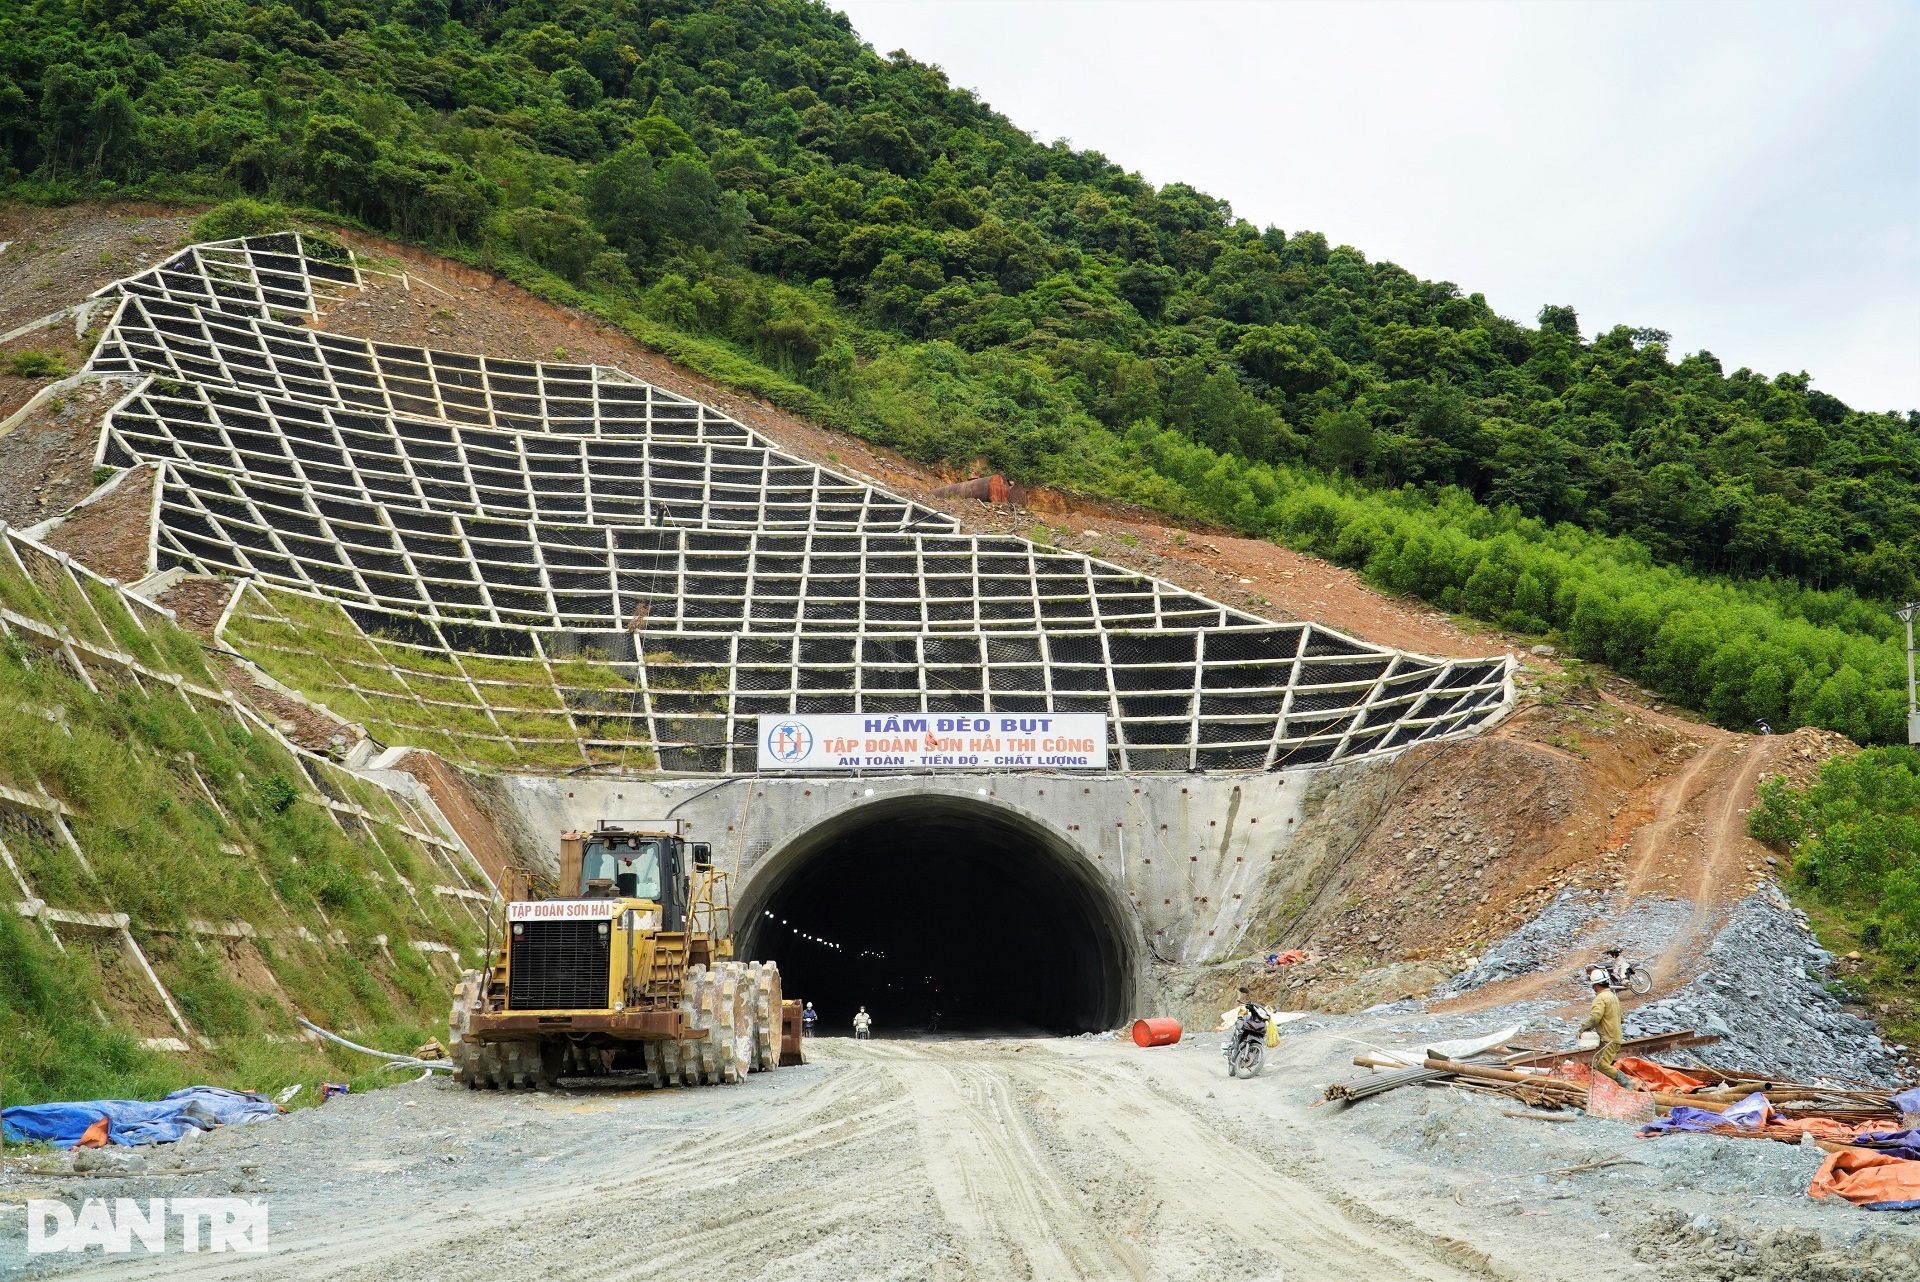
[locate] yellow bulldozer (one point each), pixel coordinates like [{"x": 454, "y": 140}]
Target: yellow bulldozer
[{"x": 624, "y": 962}]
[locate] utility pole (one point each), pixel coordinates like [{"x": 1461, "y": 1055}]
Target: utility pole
[{"x": 1906, "y": 613}]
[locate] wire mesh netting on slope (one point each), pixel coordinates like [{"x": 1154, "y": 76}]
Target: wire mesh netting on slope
[{"x": 542, "y": 566}]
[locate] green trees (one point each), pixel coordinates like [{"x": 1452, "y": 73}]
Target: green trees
[
  {"x": 1741, "y": 653},
  {"x": 641, "y": 204},
  {"x": 563, "y": 244},
  {"x": 1855, "y": 836},
  {"x": 1289, "y": 357},
  {"x": 852, "y": 234},
  {"x": 339, "y": 155},
  {"x": 1343, "y": 441}
]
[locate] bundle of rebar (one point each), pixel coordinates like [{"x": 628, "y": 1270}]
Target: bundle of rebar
[{"x": 1360, "y": 1088}]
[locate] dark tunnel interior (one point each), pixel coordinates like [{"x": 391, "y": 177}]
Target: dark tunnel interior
[{"x": 944, "y": 919}]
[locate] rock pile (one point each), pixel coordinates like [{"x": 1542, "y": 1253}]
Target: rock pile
[
  {"x": 1699, "y": 1246},
  {"x": 1540, "y": 943},
  {"x": 1764, "y": 994}
]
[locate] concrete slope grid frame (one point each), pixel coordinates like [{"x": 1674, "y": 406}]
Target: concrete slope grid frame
[
  {"x": 98, "y": 629},
  {"x": 521, "y": 518}
]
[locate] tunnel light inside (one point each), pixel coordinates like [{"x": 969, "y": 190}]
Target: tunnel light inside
[{"x": 962, "y": 918}]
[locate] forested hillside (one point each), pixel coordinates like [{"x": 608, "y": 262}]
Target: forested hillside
[{"x": 751, "y": 189}]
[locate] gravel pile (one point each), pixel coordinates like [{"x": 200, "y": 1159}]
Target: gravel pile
[
  {"x": 1535, "y": 946},
  {"x": 1705, "y": 1247},
  {"x": 1641, "y": 930},
  {"x": 1762, "y": 990},
  {"x": 1763, "y": 993}
]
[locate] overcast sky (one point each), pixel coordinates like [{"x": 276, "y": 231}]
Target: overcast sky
[{"x": 1744, "y": 175}]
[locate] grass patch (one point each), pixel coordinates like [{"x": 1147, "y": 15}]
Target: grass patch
[
  {"x": 37, "y": 365},
  {"x": 127, "y": 633},
  {"x": 51, "y": 1045},
  {"x": 479, "y": 710},
  {"x": 581, "y": 674},
  {"x": 186, "y": 814}
]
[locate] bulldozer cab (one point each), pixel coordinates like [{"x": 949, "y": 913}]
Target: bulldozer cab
[
  {"x": 641, "y": 861},
  {"x": 615, "y": 862}
]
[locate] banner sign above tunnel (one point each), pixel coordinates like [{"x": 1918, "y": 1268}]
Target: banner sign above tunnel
[{"x": 935, "y": 741}]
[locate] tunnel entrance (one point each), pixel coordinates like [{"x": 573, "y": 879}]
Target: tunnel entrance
[{"x": 937, "y": 913}]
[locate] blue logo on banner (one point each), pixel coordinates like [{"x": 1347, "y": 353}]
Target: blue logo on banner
[{"x": 788, "y": 741}]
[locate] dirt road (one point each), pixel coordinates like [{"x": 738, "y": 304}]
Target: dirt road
[
  {"x": 1087, "y": 1169},
  {"x": 1041, "y": 1159},
  {"x": 948, "y": 1160},
  {"x": 1678, "y": 835}
]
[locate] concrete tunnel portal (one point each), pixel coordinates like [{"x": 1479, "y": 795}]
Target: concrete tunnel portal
[{"x": 939, "y": 903}]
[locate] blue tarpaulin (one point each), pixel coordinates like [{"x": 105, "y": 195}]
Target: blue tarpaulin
[
  {"x": 134, "y": 1121},
  {"x": 1893, "y": 1143},
  {"x": 1684, "y": 1118},
  {"x": 1749, "y": 1113}
]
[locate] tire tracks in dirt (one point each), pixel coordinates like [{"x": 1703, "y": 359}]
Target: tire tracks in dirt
[
  {"x": 663, "y": 1208},
  {"x": 958, "y": 1161},
  {"x": 1210, "y": 1188},
  {"x": 1716, "y": 880},
  {"x": 1691, "y": 847},
  {"x": 995, "y": 1189},
  {"x": 1014, "y": 1128}
]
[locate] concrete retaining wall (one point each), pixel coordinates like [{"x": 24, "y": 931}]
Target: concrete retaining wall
[{"x": 1183, "y": 857}]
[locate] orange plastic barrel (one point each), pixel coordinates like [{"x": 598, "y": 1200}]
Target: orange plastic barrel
[{"x": 1156, "y": 1032}]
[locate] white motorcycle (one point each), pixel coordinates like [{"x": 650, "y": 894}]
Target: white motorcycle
[{"x": 1630, "y": 975}]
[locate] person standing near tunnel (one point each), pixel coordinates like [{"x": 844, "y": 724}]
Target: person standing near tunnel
[{"x": 862, "y": 1024}]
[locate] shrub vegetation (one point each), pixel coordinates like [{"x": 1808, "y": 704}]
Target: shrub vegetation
[{"x": 1854, "y": 839}]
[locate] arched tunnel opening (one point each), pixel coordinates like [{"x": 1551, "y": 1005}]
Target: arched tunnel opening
[{"x": 935, "y": 914}]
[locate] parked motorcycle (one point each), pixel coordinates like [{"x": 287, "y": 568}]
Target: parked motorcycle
[
  {"x": 1630, "y": 975},
  {"x": 1246, "y": 1047}
]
